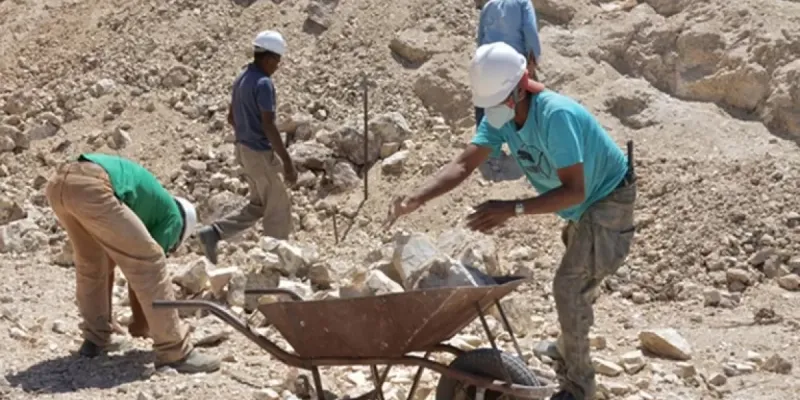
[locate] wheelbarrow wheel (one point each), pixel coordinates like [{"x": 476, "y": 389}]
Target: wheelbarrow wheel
[{"x": 485, "y": 363}]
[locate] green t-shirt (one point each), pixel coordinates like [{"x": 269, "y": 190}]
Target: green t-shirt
[{"x": 138, "y": 189}]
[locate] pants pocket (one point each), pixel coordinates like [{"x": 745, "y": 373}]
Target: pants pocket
[{"x": 611, "y": 250}]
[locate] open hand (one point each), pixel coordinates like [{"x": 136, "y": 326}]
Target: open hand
[
  {"x": 490, "y": 215},
  {"x": 289, "y": 174},
  {"x": 399, "y": 207}
]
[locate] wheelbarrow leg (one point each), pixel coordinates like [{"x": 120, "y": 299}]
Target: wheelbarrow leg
[
  {"x": 417, "y": 377},
  {"x": 494, "y": 345},
  {"x": 379, "y": 379},
  {"x": 318, "y": 383},
  {"x": 508, "y": 328}
]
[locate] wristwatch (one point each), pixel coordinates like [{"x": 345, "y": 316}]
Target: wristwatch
[{"x": 519, "y": 209}]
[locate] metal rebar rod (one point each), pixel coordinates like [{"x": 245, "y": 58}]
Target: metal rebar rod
[{"x": 366, "y": 136}]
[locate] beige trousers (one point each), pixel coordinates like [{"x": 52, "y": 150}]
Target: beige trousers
[
  {"x": 269, "y": 198},
  {"x": 103, "y": 232}
]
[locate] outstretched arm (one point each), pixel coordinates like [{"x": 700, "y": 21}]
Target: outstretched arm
[{"x": 452, "y": 174}]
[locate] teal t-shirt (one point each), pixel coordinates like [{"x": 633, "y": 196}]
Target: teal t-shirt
[
  {"x": 141, "y": 191},
  {"x": 559, "y": 133}
]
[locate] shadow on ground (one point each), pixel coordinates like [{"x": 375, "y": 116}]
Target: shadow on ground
[{"x": 70, "y": 373}]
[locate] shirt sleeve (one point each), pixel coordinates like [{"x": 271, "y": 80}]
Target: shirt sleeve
[
  {"x": 530, "y": 30},
  {"x": 265, "y": 95},
  {"x": 479, "y": 36},
  {"x": 487, "y": 136},
  {"x": 562, "y": 139}
]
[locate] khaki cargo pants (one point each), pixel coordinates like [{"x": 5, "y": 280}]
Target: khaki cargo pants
[
  {"x": 597, "y": 245},
  {"x": 269, "y": 198},
  {"x": 103, "y": 232}
]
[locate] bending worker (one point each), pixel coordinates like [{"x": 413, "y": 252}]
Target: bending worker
[
  {"x": 116, "y": 212},
  {"x": 579, "y": 173},
  {"x": 259, "y": 150}
]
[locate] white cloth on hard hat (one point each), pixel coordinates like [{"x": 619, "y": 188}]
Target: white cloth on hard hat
[
  {"x": 190, "y": 218},
  {"x": 494, "y": 72},
  {"x": 270, "y": 41}
]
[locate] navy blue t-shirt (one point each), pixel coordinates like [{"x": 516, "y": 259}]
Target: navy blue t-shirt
[{"x": 253, "y": 93}]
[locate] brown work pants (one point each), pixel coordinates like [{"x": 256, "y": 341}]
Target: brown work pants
[
  {"x": 103, "y": 232},
  {"x": 269, "y": 198}
]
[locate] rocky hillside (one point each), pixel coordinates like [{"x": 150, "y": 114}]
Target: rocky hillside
[{"x": 708, "y": 90}]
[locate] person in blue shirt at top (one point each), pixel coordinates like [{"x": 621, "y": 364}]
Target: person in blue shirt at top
[
  {"x": 512, "y": 22},
  {"x": 579, "y": 174}
]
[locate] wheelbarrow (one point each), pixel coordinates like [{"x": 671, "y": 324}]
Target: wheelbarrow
[{"x": 385, "y": 329}]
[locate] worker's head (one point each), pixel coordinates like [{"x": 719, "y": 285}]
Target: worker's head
[
  {"x": 268, "y": 48},
  {"x": 499, "y": 80},
  {"x": 189, "y": 215}
]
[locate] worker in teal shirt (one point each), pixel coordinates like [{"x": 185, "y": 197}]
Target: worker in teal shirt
[
  {"x": 116, "y": 213},
  {"x": 579, "y": 173}
]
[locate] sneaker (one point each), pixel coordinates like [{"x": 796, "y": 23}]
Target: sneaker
[
  {"x": 196, "y": 362},
  {"x": 209, "y": 237},
  {"x": 563, "y": 395}
]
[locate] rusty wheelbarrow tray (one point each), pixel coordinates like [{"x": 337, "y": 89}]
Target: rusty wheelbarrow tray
[{"x": 383, "y": 330}]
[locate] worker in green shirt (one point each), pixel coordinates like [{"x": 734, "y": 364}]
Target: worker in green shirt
[{"x": 116, "y": 212}]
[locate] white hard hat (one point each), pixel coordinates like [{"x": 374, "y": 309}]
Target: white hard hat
[
  {"x": 271, "y": 41},
  {"x": 494, "y": 72},
  {"x": 189, "y": 220}
]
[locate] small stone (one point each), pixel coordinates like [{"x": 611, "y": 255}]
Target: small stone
[
  {"x": 633, "y": 362},
  {"x": 666, "y": 343},
  {"x": 607, "y": 368},
  {"x": 58, "y": 327},
  {"x": 143, "y": 396},
  {"x": 18, "y": 334},
  {"x": 790, "y": 282},
  {"x": 711, "y": 297},
  {"x": 737, "y": 275},
  {"x": 754, "y": 357},
  {"x": 266, "y": 394},
  {"x": 717, "y": 379},
  {"x": 777, "y": 364},
  {"x": 395, "y": 163},
  {"x": 685, "y": 370},
  {"x": 597, "y": 342}
]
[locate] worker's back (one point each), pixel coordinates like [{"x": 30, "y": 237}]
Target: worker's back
[{"x": 512, "y": 22}]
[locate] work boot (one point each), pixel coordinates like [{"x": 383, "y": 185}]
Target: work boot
[
  {"x": 195, "y": 362},
  {"x": 209, "y": 237}
]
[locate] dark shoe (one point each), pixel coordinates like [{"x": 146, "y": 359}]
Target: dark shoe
[
  {"x": 209, "y": 238},
  {"x": 196, "y": 362},
  {"x": 90, "y": 350},
  {"x": 563, "y": 395}
]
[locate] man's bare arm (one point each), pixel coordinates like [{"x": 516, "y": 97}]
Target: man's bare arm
[
  {"x": 452, "y": 174},
  {"x": 230, "y": 116},
  {"x": 571, "y": 192},
  {"x": 274, "y": 137}
]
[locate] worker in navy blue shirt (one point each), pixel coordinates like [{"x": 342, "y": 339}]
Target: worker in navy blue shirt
[{"x": 259, "y": 150}]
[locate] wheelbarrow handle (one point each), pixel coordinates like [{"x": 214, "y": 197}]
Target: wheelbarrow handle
[{"x": 287, "y": 292}]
